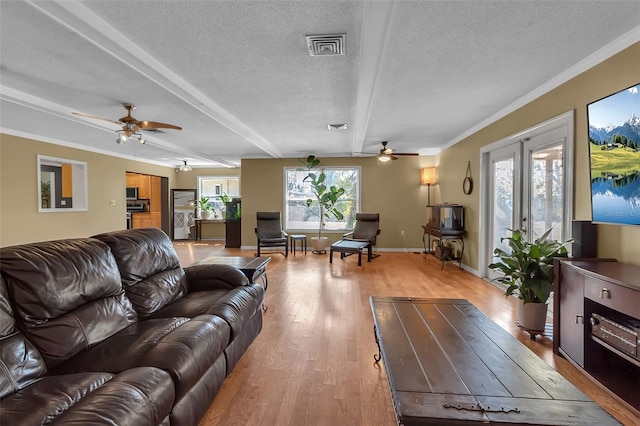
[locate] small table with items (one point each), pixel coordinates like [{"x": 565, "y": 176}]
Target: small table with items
[
  {"x": 445, "y": 222},
  {"x": 199, "y": 222},
  {"x": 350, "y": 247}
]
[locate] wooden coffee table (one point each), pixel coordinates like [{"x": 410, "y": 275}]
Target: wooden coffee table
[{"x": 448, "y": 363}]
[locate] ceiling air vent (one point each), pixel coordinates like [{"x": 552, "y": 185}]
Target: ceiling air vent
[{"x": 326, "y": 45}]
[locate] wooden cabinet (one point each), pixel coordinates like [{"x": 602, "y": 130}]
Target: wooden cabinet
[
  {"x": 570, "y": 297},
  {"x": 596, "y": 322},
  {"x": 132, "y": 179},
  {"x": 142, "y": 182},
  {"x": 141, "y": 220},
  {"x": 144, "y": 187},
  {"x": 155, "y": 194},
  {"x": 149, "y": 188}
]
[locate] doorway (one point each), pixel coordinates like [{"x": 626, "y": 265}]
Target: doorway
[{"x": 528, "y": 179}]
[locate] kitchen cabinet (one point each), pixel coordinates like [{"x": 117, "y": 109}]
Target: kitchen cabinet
[
  {"x": 141, "y": 220},
  {"x": 144, "y": 187},
  {"x": 149, "y": 188},
  {"x": 132, "y": 180},
  {"x": 155, "y": 194},
  {"x": 142, "y": 182}
]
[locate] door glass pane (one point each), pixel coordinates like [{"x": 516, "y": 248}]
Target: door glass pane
[
  {"x": 546, "y": 192},
  {"x": 502, "y": 201}
]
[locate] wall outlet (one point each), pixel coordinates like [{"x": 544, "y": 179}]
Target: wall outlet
[
  {"x": 112, "y": 202},
  {"x": 401, "y": 234}
]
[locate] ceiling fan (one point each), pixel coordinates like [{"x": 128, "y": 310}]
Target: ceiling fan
[
  {"x": 131, "y": 126},
  {"x": 388, "y": 154}
]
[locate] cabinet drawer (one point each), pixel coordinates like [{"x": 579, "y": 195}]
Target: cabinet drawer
[{"x": 619, "y": 298}]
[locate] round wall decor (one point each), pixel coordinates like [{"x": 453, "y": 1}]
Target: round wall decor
[{"x": 467, "y": 183}]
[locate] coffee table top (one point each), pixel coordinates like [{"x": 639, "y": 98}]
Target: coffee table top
[
  {"x": 350, "y": 244},
  {"x": 448, "y": 362}
]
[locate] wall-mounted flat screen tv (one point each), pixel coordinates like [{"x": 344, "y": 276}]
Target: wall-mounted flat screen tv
[{"x": 614, "y": 157}]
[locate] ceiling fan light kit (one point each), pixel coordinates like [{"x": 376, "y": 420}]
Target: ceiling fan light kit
[
  {"x": 388, "y": 154},
  {"x": 185, "y": 167},
  {"x": 130, "y": 126}
]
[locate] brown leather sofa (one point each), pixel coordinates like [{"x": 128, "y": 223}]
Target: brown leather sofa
[{"x": 112, "y": 319}]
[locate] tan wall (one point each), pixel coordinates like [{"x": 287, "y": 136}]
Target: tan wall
[
  {"x": 392, "y": 189},
  {"x": 20, "y": 221},
  {"x": 618, "y": 72}
]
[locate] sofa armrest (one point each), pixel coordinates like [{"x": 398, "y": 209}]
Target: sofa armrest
[{"x": 210, "y": 277}]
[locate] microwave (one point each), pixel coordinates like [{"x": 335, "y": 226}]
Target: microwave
[{"x": 132, "y": 192}]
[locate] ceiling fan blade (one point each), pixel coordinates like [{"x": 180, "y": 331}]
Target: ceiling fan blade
[
  {"x": 97, "y": 118},
  {"x": 156, "y": 125},
  {"x": 405, "y": 153}
]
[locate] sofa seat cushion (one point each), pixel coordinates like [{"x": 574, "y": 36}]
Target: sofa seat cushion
[
  {"x": 184, "y": 347},
  {"x": 140, "y": 396},
  {"x": 236, "y": 306}
]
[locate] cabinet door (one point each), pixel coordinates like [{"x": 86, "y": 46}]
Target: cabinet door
[
  {"x": 132, "y": 180},
  {"x": 144, "y": 186},
  {"x": 141, "y": 220},
  {"x": 155, "y": 220},
  {"x": 572, "y": 326},
  {"x": 155, "y": 199}
]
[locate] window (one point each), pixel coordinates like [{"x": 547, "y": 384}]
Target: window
[
  {"x": 296, "y": 193},
  {"x": 214, "y": 187}
]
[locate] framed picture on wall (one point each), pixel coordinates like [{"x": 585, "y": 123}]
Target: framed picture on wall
[{"x": 62, "y": 185}]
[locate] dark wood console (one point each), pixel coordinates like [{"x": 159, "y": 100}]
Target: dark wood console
[{"x": 596, "y": 322}]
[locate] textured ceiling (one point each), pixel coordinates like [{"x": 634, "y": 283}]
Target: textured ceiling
[{"x": 237, "y": 77}]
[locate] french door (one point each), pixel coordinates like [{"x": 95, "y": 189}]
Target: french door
[{"x": 524, "y": 177}]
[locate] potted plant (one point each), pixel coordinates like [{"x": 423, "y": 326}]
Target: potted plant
[
  {"x": 528, "y": 273},
  {"x": 325, "y": 197},
  {"x": 206, "y": 211}
]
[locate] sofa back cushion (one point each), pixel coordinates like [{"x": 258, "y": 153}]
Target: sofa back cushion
[
  {"x": 149, "y": 266},
  {"x": 67, "y": 295},
  {"x": 20, "y": 362}
]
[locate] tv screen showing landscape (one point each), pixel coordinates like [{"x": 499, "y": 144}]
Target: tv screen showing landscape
[{"x": 614, "y": 154}]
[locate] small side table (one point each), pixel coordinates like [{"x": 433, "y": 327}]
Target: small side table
[{"x": 303, "y": 243}]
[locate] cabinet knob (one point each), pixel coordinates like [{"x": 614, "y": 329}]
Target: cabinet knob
[
  {"x": 604, "y": 293},
  {"x": 579, "y": 319}
]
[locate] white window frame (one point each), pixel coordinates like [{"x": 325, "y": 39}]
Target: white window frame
[{"x": 313, "y": 225}]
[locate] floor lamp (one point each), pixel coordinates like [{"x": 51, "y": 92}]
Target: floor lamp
[{"x": 428, "y": 177}]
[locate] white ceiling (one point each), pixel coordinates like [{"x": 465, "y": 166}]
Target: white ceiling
[{"x": 237, "y": 76}]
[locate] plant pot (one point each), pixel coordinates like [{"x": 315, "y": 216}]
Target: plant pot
[
  {"x": 207, "y": 214},
  {"x": 319, "y": 244},
  {"x": 532, "y": 316}
]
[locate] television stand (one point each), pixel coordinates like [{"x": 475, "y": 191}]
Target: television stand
[{"x": 596, "y": 323}]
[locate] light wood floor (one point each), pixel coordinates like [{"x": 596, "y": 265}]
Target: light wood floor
[{"x": 312, "y": 364}]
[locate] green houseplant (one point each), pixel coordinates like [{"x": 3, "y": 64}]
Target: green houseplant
[
  {"x": 528, "y": 273},
  {"x": 325, "y": 197},
  {"x": 206, "y": 210}
]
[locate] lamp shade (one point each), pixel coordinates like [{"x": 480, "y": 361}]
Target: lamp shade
[{"x": 428, "y": 176}]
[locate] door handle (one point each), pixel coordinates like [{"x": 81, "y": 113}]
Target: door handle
[{"x": 523, "y": 228}]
